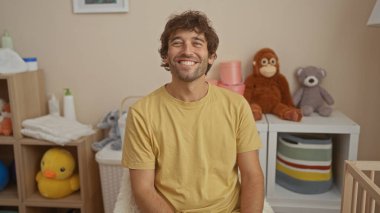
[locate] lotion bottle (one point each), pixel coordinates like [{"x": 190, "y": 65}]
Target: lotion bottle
[
  {"x": 53, "y": 106},
  {"x": 68, "y": 105},
  {"x": 6, "y": 41}
]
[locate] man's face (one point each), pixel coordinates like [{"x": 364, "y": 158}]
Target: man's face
[{"x": 188, "y": 55}]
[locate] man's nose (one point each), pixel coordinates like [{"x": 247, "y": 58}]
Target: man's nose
[{"x": 188, "y": 48}]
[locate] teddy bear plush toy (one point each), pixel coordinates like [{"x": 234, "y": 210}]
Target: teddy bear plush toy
[
  {"x": 267, "y": 90},
  {"x": 5, "y": 119},
  {"x": 110, "y": 122},
  {"x": 311, "y": 97}
]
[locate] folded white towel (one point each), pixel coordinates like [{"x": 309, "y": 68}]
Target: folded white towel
[{"x": 55, "y": 129}]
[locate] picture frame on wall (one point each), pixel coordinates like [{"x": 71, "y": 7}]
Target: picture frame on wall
[{"x": 100, "y": 6}]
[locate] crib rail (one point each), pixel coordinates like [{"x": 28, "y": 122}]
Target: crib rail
[{"x": 360, "y": 193}]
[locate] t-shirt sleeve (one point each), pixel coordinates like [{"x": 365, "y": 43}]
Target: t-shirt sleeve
[
  {"x": 248, "y": 138},
  {"x": 137, "y": 149}
]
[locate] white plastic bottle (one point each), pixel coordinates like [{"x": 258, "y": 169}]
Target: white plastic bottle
[
  {"x": 31, "y": 63},
  {"x": 53, "y": 106},
  {"x": 68, "y": 105},
  {"x": 6, "y": 41}
]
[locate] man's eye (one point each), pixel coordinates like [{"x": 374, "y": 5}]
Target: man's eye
[
  {"x": 198, "y": 44},
  {"x": 176, "y": 43}
]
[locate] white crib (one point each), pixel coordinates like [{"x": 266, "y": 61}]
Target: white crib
[{"x": 360, "y": 192}]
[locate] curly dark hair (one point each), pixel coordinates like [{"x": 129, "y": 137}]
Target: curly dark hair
[{"x": 192, "y": 21}]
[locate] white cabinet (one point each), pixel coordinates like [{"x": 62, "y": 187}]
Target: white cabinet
[{"x": 345, "y": 135}]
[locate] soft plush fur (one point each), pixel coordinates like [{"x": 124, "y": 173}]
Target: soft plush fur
[
  {"x": 311, "y": 97},
  {"x": 110, "y": 121},
  {"x": 267, "y": 90}
]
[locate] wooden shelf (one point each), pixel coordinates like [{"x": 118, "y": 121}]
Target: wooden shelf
[
  {"x": 26, "y": 94},
  {"x": 72, "y": 201},
  {"x": 9, "y": 196},
  {"x": 4, "y": 140},
  {"x": 88, "y": 198}
]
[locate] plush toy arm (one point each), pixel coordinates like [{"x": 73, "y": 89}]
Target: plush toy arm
[
  {"x": 98, "y": 145},
  {"x": 297, "y": 96},
  {"x": 284, "y": 87},
  {"x": 326, "y": 96}
]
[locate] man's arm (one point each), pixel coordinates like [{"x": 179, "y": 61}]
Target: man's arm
[
  {"x": 145, "y": 194},
  {"x": 252, "y": 182}
]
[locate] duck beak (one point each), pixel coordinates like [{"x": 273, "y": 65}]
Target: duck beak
[{"x": 49, "y": 174}]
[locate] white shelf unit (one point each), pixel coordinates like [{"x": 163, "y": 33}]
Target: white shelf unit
[
  {"x": 262, "y": 128},
  {"x": 345, "y": 135}
]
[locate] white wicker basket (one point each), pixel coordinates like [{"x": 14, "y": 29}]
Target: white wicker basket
[
  {"x": 111, "y": 170},
  {"x": 111, "y": 173}
]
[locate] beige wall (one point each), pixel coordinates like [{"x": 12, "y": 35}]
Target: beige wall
[{"x": 104, "y": 57}]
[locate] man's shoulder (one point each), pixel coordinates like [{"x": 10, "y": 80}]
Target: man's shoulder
[{"x": 149, "y": 100}]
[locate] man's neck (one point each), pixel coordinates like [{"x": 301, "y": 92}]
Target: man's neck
[{"x": 188, "y": 91}]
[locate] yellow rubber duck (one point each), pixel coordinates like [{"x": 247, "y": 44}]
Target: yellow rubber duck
[{"x": 56, "y": 178}]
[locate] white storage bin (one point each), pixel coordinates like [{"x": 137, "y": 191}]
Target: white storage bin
[{"x": 111, "y": 173}]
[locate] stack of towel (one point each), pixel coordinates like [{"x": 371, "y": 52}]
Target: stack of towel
[{"x": 55, "y": 129}]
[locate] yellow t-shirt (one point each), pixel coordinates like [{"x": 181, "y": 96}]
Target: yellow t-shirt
[{"x": 192, "y": 146}]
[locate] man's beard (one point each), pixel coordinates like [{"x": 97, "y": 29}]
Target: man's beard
[{"x": 199, "y": 71}]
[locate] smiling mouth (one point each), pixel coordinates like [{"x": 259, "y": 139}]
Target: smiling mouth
[{"x": 187, "y": 63}]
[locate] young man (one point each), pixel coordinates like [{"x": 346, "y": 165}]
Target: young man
[{"x": 186, "y": 141}]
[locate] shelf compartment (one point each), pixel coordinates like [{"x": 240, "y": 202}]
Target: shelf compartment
[
  {"x": 9, "y": 195},
  {"x": 32, "y": 155},
  {"x": 25, "y": 93},
  {"x": 345, "y": 135},
  {"x": 88, "y": 199},
  {"x": 8, "y": 208},
  {"x": 36, "y": 209}
]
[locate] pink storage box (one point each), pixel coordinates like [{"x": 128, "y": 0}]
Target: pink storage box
[{"x": 230, "y": 72}]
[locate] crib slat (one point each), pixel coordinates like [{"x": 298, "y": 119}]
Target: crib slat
[
  {"x": 364, "y": 199},
  {"x": 355, "y": 199},
  {"x": 365, "y": 182},
  {"x": 372, "y": 204},
  {"x": 356, "y": 180},
  {"x": 347, "y": 191}
]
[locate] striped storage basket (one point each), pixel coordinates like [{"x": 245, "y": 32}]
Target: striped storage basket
[{"x": 303, "y": 163}]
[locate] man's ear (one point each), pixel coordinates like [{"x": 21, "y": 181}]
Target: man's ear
[
  {"x": 165, "y": 60},
  {"x": 212, "y": 58}
]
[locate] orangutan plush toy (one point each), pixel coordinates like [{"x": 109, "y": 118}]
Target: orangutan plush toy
[{"x": 267, "y": 90}]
